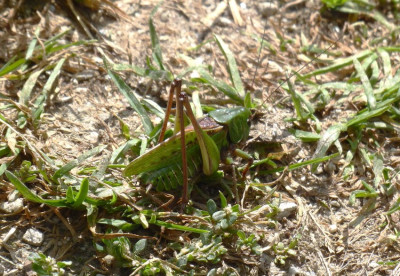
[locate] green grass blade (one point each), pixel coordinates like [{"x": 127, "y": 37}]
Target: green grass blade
[
  {"x": 179, "y": 227},
  {"x": 12, "y": 66},
  {"x": 314, "y": 161},
  {"x": 127, "y": 67},
  {"x": 339, "y": 64},
  {"x": 5, "y": 66},
  {"x": 305, "y": 136},
  {"x": 221, "y": 86},
  {"x": 74, "y": 163},
  {"x": 327, "y": 139},
  {"x": 41, "y": 100},
  {"x": 23, "y": 189},
  {"x": 154, "y": 108},
  {"x": 120, "y": 152},
  {"x": 387, "y": 66},
  {"x": 297, "y": 99},
  {"x": 133, "y": 101},
  {"x": 82, "y": 194},
  {"x": 28, "y": 86},
  {"x": 224, "y": 202},
  {"x": 366, "y": 115},
  {"x": 58, "y": 48},
  {"x": 232, "y": 66},
  {"x": 366, "y": 84},
  {"x": 26, "y": 193},
  {"x": 32, "y": 45},
  {"x": 155, "y": 42}
]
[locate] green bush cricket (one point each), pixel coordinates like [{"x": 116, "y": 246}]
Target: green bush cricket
[{"x": 166, "y": 166}]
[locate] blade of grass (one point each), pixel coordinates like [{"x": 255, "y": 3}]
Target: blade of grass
[
  {"x": 155, "y": 42},
  {"x": 74, "y": 163},
  {"x": 169, "y": 225},
  {"x": 387, "y": 66},
  {"x": 41, "y": 100},
  {"x": 26, "y": 193},
  {"x": 32, "y": 44},
  {"x": 133, "y": 101},
  {"x": 339, "y": 64},
  {"x": 365, "y": 115},
  {"x": 82, "y": 193},
  {"x": 28, "y": 86},
  {"x": 305, "y": 136},
  {"x": 366, "y": 84},
  {"x": 12, "y": 66},
  {"x": 314, "y": 161},
  {"x": 229, "y": 91},
  {"x": 232, "y": 66},
  {"x": 327, "y": 139}
]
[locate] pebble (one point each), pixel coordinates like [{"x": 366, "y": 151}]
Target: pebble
[
  {"x": 12, "y": 207},
  {"x": 286, "y": 209},
  {"x": 267, "y": 8},
  {"x": 108, "y": 259},
  {"x": 93, "y": 136},
  {"x": 33, "y": 237},
  {"x": 333, "y": 228}
]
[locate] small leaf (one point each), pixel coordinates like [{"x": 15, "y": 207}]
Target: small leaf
[
  {"x": 218, "y": 216},
  {"x": 143, "y": 221},
  {"x": 140, "y": 245},
  {"x": 224, "y": 202},
  {"x": 241, "y": 235},
  {"x": 211, "y": 206}
]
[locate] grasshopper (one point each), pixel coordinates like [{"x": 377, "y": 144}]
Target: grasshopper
[{"x": 173, "y": 161}]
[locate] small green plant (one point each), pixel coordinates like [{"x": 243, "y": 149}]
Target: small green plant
[
  {"x": 224, "y": 218},
  {"x": 332, "y": 4},
  {"x": 47, "y": 266},
  {"x": 244, "y": 243},
  {"x": 283, "y": 252}
]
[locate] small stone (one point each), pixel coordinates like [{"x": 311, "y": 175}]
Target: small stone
[
  {"x": 225, "y": 22},
  {"x": 294, "y": 270},
  {"x": 12, "y": 207},
  {"x": 93, "y": 136},
  {"x": 330, "y": 167},
  {"x": 333, "y": 228},
  {"x": 339, "y": 249},
  {"x": 319, "y": 170},
  {"x": 373, "y": 264},
  {"x": 13, "y": 196},
  {"x": 286, "y": 209},
  {"x": 108, "y": 259},
  {"x": 33, "y": 237},
  {"x": 334, "y": 203},
  {"x": 267, "y": 8}
]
